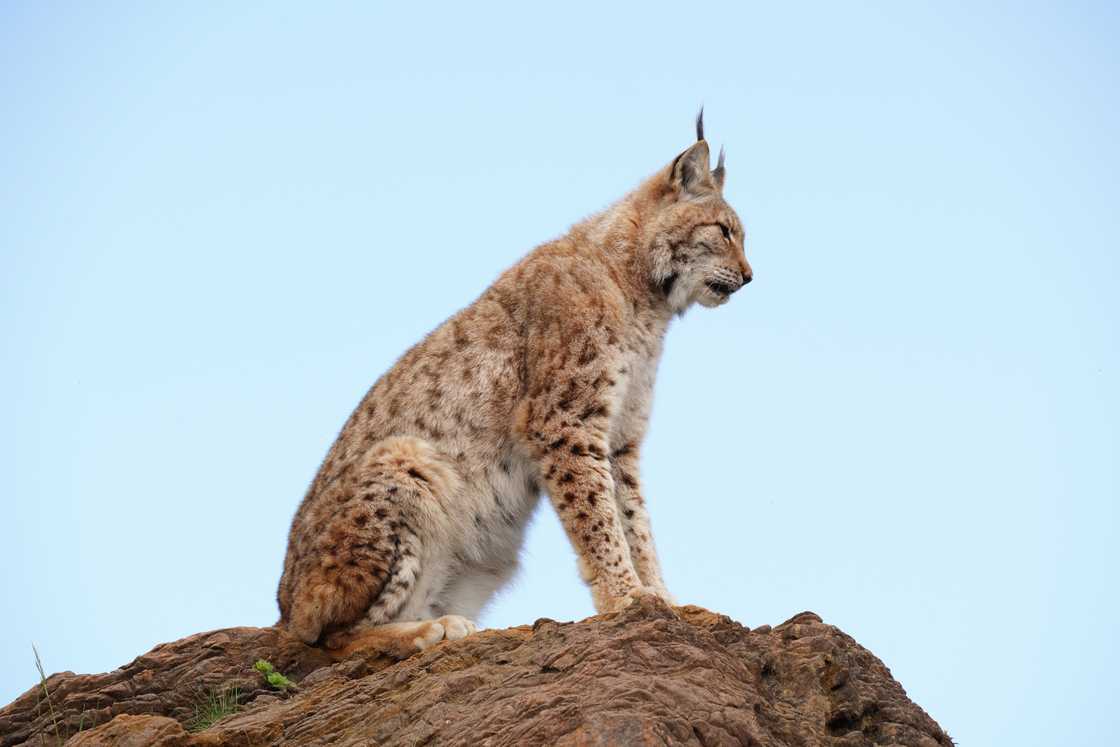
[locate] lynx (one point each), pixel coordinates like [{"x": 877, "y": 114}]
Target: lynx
[{"x": 545, "y": 382}]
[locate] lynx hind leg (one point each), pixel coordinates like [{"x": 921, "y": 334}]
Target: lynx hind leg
[
  {"x": 361, "y": 545},
  {"x": 400, "y": 639}
]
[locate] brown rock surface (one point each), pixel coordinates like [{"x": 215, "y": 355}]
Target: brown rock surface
[{"x": 648, "y": 675}]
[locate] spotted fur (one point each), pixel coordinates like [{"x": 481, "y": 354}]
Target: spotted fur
[{"x": 417, "y": 514}]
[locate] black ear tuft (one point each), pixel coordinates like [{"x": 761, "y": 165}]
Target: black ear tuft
[
  {"x": 718, "y": 172},
  {"x": 700, "y": 124}
]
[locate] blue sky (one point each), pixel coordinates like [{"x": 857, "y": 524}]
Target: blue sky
[{"x": 907, "y": 423}]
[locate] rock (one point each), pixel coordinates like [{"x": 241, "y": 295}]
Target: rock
[
  {"x": 648, "y": 675},
  {"x": 168, "y": 681},
  {"x": 127, "y": 730}
]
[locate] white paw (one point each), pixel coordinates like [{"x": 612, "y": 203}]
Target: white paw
[
  {"x": 456, "y": 627},
  {"x": 431, "y": 634}
]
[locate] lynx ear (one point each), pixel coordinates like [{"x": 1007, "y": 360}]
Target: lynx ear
[{"x": 689, "y": 175}]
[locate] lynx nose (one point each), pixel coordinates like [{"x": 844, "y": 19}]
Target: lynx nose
[{"x": 747, "y": 277}]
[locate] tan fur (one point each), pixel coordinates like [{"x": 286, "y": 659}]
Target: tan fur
[{"x": 545, "y": 381}]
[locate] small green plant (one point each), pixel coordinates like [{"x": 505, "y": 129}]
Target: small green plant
[
  {"x": 274, "y": 678},
  {"x": 213, "y": 706}
]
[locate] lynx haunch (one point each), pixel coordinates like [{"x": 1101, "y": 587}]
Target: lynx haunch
[{"x": 544, "y": 383}]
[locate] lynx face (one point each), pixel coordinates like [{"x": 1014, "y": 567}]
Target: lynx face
[
  {"x": 696, "y": 250},
  {"x": 709, "y": 264}
]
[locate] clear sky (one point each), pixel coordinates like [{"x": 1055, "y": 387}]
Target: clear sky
[{"x": 908, "y": 423}]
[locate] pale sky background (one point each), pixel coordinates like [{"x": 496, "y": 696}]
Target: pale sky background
[{"x": 208, "y": 224}]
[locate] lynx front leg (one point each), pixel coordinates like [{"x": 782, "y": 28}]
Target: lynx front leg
[
  {"x": 565, "y": 426},
  {"x": 581, "y": 490},
  {"x": 635, "y": 518}
]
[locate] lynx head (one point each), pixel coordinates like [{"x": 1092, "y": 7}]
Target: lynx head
[{"x": 693, "y": 238}]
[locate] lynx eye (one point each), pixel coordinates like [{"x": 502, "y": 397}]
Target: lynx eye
[{"x": 726, "y": 231}]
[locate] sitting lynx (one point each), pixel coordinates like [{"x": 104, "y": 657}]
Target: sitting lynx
[{"x": 417, "y": 514}]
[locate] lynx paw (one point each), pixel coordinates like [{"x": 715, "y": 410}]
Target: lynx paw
[
  {"x": 649, "y": 591},
  {"x": 456, "y": 627},
  {"x": 400, "y": 639},
  {"x": 446, "y": 628},
  {"x": 617, "y": 604},
  {"x": 429, "y": 634}
]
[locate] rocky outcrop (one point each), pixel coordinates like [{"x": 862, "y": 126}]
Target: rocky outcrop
[{"x": 648, "y": 675}]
